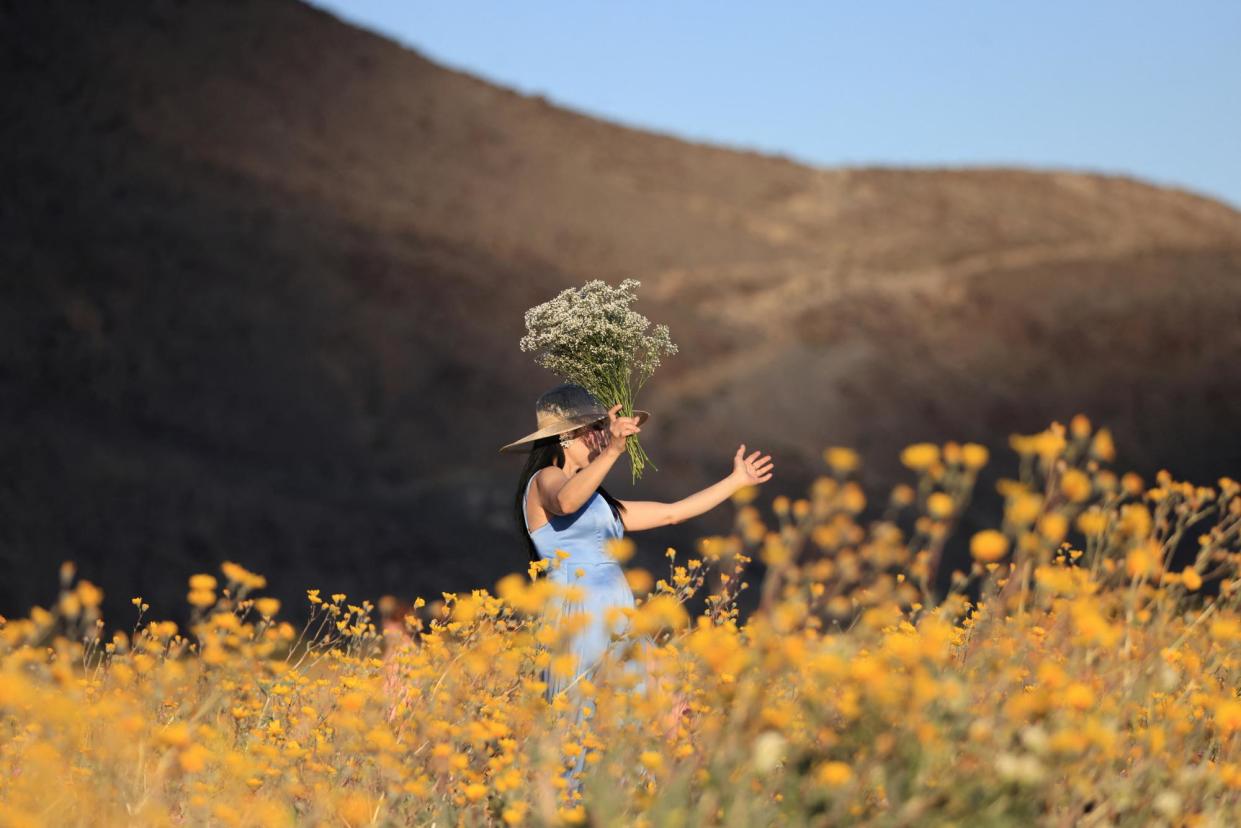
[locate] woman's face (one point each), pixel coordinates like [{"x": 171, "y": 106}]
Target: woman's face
[{"x": 587, "y": 443}]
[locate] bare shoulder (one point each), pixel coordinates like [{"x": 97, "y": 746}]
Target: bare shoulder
[
  {"x": 547, "y": 482},
  {"x": 549, "y": 478}
]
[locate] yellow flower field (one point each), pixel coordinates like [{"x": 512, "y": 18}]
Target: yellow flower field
[{"x": 1072, "y": 676}]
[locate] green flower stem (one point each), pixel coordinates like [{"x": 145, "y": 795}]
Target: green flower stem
[{"x": 615, "y": 386}]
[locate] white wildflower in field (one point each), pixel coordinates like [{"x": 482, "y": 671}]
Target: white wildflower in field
[{"x": 590, "y": 336}]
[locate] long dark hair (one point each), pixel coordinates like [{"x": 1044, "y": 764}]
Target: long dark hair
[{"x": 546, "y": 452}]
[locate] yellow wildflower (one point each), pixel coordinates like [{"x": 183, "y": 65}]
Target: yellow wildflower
[
  {"x": 200, "y": 598},
  {"x": 903, "y": 494},
  {"x": 1191, "y": 579},
  {"x": 193, "y": 758},
  {"x": 640, "y": 580},
  {"x": 1079, "y": 696},
  {"x": 621, "y": 549},
  {"x": 176, "y": 734},
  {"x": 1135, "y": 520},
  {"x": 974, "y": 456},
  {"x": 920, "y": 456},
  {"x": 203, "y": 582},
  {"x": 564, "y": 665},
  {"x": 1226, "y": 630},
  {"x": 1075, "y": 485},
  {"x": 744, "y": 495},
  {"x": 939, "y": 505},
  {"x": 1024, "y": 507},
  {"x": 1091, "y": 522},
  {"x": 1143, "y": 560},
  {"x": 1053, "y": 527},
  {"x": 834, "y": 774},
  {"x": 842, "y": 460},
  {"x": 1228, "y": 716},
  {"x": 988, "y": 545},
  {"x": 267, "y": 607},
  {"x": 1102, "y": 446},
  {"x": 89, "y": 594}
]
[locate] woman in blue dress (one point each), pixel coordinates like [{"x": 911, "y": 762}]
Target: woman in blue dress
[{"x": 562, "y": 505}]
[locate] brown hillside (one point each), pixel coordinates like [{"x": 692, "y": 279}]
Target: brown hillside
[{"x": 264, "y": 276}]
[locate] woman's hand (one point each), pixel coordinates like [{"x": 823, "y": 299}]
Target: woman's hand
[
  {"x": 751, "y": 470},
  {"x": 619, "y": 428}
]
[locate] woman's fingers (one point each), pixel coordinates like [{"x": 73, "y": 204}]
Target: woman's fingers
[
  {"x": 757, "y": 465},
  {"x": 761, "y": 468}
]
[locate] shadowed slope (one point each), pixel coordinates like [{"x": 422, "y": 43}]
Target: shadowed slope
[{"x": 265, "y": 272}]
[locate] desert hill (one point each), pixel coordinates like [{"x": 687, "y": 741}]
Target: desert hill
[{"x": 264, "y": 276}]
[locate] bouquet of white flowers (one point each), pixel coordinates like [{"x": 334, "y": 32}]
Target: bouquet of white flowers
[{"x": 589, "y": 336}]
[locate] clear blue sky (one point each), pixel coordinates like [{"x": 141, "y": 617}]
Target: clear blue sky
[{"x": 1150, "y": 89}]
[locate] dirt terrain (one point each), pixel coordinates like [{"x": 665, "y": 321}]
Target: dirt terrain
[{"x": 264, "y": 276}]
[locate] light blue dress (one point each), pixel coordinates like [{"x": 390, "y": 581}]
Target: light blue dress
[{"x": 583, "y": 536}]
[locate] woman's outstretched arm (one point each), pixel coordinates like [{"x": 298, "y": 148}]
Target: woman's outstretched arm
[{"x": 747, "y": 471}]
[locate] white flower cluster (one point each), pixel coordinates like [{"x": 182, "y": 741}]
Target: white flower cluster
[{"x": 589, "y": 335}]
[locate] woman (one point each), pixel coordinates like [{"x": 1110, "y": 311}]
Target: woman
[{"x": 562, "y": 505}]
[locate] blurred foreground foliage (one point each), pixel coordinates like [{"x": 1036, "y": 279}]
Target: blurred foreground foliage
[{"x": 1072, "y": 676}]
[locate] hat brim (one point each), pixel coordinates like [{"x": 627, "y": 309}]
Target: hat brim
[{"x": 527, "y": 443}]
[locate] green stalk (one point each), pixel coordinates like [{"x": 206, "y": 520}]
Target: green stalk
[{"x": 614, "y": 386}]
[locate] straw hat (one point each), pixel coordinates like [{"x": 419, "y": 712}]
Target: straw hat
[{"x": 564, "y": 408}]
